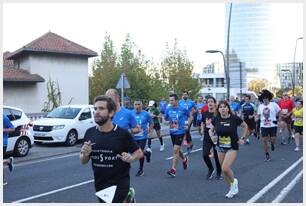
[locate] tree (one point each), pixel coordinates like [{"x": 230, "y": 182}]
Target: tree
[
  {"x": 176, "y": 71},
  {"x": 54, "y": 96},
  {"x": 257, "y": 85},
  {"x": 106, "y": 70}
]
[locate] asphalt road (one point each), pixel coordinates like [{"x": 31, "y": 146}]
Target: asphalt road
[{"x": 64, "y": 180}]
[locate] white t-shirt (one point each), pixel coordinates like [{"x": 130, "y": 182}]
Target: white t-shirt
[{"x": 268, "y": 114}]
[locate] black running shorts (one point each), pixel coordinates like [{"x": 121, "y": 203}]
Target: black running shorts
[
  {"x": 177, "y": 139},
  {"x": 156, "y": 127},
  {"x": 298, "y": 129},
  {"x": 270, "y": 131},
  {"x": 142, "y": 143}
]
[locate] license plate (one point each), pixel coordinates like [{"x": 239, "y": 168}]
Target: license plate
[{"x": 39, "y": 134}]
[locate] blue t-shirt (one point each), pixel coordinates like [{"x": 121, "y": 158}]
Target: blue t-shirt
[
  {"x": 124, "y": 119},
  {"x": 6, "y": 124},
  {"x": 235, "y": 106},
  {"x": 187, "y": 104},
  {"x": 163, "y": 106},
  {"x": 143, "y": 119},
  {"x": 176, "y": 117},
  {"x": 199, "y": 107}
]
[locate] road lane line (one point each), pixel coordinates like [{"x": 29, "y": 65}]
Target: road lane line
[
  {"x": 274, "y": 182},
  {"x": 53, "y": 191},
  {"x": 169, "y": 158},
  {"x": 288, "y": 188},
  {"x": 44, "y": 160}
]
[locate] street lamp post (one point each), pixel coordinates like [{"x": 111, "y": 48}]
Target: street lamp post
[
  {"x": 293, "y": 68},
  {"x": 287, "y": 70},
  {"x": 226, "y": 70}
]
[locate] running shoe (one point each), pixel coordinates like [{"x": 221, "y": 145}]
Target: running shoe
[
  {"x": 272, "y": 146},
  {"x": 131, "y": 196},
  {"x": 210, "y": 174},
  {"x": 289, "y": 140},
  {"x": 297, "y": 149},
  {"x": 219, "y": 177},
  {"x": 185, "y": 163},
  {"x": 171, "y": 172},
  {"x": 162, "y": 148},
  {"x": 4, "y": 182},
  {"x": 283, "y": 142},
  {"x": 11, "y": 164},
  {"x": 140, "y": 173},
  {"x": 233, "y": 189},
  {"x": 247, "y": 141},
  {"x": 267, "y": 157},
  {"x": 148, "y": 153}
]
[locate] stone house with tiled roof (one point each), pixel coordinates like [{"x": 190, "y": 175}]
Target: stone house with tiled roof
[{"x": 27, "y": 70}]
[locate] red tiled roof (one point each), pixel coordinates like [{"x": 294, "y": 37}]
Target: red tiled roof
[
  {"x": 53, "y": 43},
  {"x": 20, "y": 75},
  {"x": 7, "y": 63}
]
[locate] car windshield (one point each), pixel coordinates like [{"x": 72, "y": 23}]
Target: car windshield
[{"x": 64, "y": 113}]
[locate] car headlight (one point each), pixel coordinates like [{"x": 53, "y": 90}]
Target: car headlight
[{"x": 56, "y": 127}]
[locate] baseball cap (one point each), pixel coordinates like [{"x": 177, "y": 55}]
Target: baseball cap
[{"x": 151, "y": 103}]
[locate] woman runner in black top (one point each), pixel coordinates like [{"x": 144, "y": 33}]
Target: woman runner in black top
[
  {"x": 111, "y": 150},
  {"x": 224, "y": 133},
  {"x": 207, "y": 117}
]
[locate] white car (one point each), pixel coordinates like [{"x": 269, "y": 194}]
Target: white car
[
  {"x": 19, "y": 142},
  {"x": 66, "y": 124}
]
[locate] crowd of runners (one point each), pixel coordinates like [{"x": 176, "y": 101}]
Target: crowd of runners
[{"x": 124, "y": 134}]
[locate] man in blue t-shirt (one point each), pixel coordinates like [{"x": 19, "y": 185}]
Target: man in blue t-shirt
[
  {"x": 8, "y": 127},
  {"x": 176, "y": 116},
  {"x": 198, "y": 115},
  {"x": 123, "y": 117},
  {"x": 145, "y": 122},
  {"x": 190, "y": 106}
]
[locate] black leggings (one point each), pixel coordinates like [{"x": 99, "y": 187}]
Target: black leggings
[{"x": 207, "y": 145}]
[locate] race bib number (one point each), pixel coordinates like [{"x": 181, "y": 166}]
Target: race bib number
[
  {"x": 174, "y": 125},
  {"x": 139, "y": 134},
  {"x": 285, "y": 111},
  {"x": 208, "y": 123},
  {"x": 298, "y": 119},
  {"x": 225, "y": 141},
  {"x": 267, "y": 122}
]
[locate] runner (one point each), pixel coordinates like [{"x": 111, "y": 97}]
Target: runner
[
  {"x": 248, "y": 112},
  {"x": 207, "y": 142},
  {"x": 298, "y": 123},
  {"x": 190, "y": 106},
  {"x": 267, "y": 112},
  {"x": 223, "y": 131},
  {"x": 155, "y": 114},
  {"x": 143, "y": 120},
  {"x": 123, "y": 117},
  {"x": 235, "y": 105},
  {"x": 198, "y": 115},
  {"x": 111, "y": 150},
  {"x": 163, "y": 107},
  {"x": 176, "y": 116},
  {"x": 286, "y": 105}
]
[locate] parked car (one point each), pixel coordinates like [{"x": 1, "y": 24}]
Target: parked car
[
  {"x": 20, "y": 141},
  {"x": 66, "y": 124}
]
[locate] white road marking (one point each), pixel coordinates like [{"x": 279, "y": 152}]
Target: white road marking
[
  {"x": 44, "y": 160},
  {"x": 53, "y": 191},
  {"x": 288, "y": 188},
  {"x": 274, "y": 182},
  {"x": 169, "y": 158}
]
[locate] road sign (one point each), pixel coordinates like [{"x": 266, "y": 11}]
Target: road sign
[{"x": 123, "y": 82}]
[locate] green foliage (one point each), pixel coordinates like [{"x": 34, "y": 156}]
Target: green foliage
[
  {"x": 54, "y": 96},
  {"x": 147, "y": 81},
  {"x": 177, "y": 71}
]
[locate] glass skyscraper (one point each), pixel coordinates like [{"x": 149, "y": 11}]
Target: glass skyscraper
[{"x": 251, "y": 41}]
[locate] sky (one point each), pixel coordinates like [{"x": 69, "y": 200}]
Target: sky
[{"x": 197, "y": 26}]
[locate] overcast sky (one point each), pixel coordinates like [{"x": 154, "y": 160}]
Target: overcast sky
[{"x": 197, "y": 26}]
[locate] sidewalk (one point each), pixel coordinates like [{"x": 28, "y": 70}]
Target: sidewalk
[{"x": 53, "y": 150}]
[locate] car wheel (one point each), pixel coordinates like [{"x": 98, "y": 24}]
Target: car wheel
[
  {"x": 22, "y": 147},
  {"x": 72, "y": 138}
]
